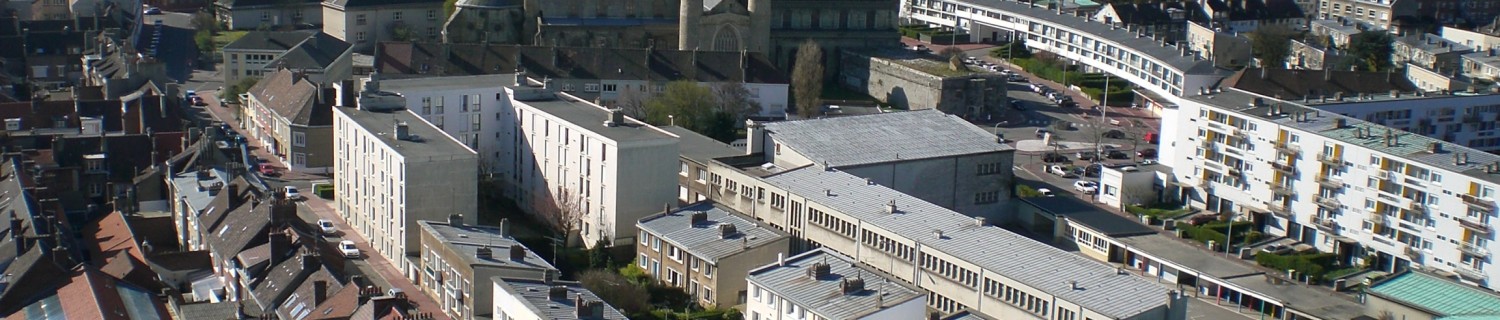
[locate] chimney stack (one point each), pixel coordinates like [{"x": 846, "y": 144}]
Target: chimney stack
[
  {"x": 456, "y": 220},
  {"x": 890, "y": 207},
  {"x": 699, "y": 218},
  {"x": 1340, "y": 123},
  {"x": 557, "y": 293},
  {"x": 484, "y": 253},
  {"x": 852, "y": 285},
  {"x": 517, "y": 252},
  {"x": 234, "y": 196},
  {"x": 402, "y": 131},
  {"x": 1434, "y": 147},
  {"x": 727, "y": 231},
  {"x": 819, "y": 270}
]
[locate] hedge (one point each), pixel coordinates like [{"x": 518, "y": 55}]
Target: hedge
[
  {"x": 1215, "y": 231},
  {"x": 1314, "y": 265}
]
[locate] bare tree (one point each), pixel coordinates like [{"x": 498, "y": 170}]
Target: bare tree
[
  {"x": 734, "y": 99},
  {"x": 633, "y": 102},
  {"x": 563, "y": 211},
  {"x": 807, "y": 79}
]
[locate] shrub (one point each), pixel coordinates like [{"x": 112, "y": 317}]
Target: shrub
[
  {"x": 617, "y": 290},
  {"x": 1026, "y": 191},
  {"x": 1314, "y": 265}
]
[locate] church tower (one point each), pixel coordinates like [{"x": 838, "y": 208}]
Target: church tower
[
  {"x": 687, "y": 24},
  {"x": 760, "y": 26}
]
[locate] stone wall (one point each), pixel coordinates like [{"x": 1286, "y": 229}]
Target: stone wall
[{"x": 974, "y": 95}]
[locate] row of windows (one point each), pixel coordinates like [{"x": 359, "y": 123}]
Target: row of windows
[
  {"x": 1016, "y": 297},
  {"x": 987, "y": 197},
  {"x": 883, "y": 243},
  {"x": 832, "y": 223},
  {"x": 990, "y": 168},
  {"x": 950, "y": 270}
]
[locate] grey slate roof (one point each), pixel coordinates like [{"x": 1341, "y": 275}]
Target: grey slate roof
[
  {"x": 1433, "y": 44},
  {"x": 701, "y": 148},
  {"x": 886, "y": 137},
  {"x": 467, "y": 239},
  {"x": 1111, "y": 294},
  {"x": 317, "y": 51},
  {"x": 703, "y": 240},
  {"x": 289, "y": 95},
  {"x": 824, "y": 296},
  {"x": 1123, "y": 38},
  {"x": 270, "y": 40},
  {"x": 434, "y": 143},
  {"x": 534, "y": 294},
  {"x": 218, "y": 310},
  {"x": 591, "y": 117}
]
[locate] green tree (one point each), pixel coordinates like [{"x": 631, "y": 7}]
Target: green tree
[
  {"x": 1371, "y": 50},
  {"x": 617, "y": 290},
  {"x": 807, "y": 79},
  {"x": 694, "y": 107},
  {"x": 1271, "y": 44},
  {"x": 233, "y": 91},
  {"x": 204, "y": 39},
  {"x": 449, "y": 6}
]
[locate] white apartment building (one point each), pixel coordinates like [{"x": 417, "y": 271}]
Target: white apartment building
[
  {"x": 391, "y": 169},
  {"x": 469, "y": 108},
  {"x": 1166, "y": 70},
  {"x": 1344, "y": 185},
  {"x": 567, "y": 153},
  {"x": 1479, "y": 41},
  {"x": 530, "y": 299},
  {"x": 822, "y": 284},
  {"x": 1463, "y": 118}
]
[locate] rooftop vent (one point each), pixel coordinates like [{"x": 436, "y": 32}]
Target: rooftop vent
[
  {"x": 852, "y": 285},
  {"x": 517, "y": 252},
  {"x": 557, "y": 293},
  {"x": 616, "y": 118},
  {"x": 819, "y": 270},
  {"x": 1340, "y": 123},
  {"x": 484, "y": 253},
  {"x": 937, "y": 234},
  {"x": 891, "y": 207},
  {"x": 403, "y": 132},
  {"x": 586, "y": 309},
  {"x": 699, "y": 217},
  {"x": 1434, "y": 147},
  {"x": 727, "y": 231},
  {"x": 979, "y": 221}
]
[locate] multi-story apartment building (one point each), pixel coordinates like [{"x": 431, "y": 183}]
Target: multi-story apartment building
[
  {"x": 458, "y": 260},
  {"x": 468, "y": 108},
  {"x": 939, "y": 158},
  {"x": 1478, "y": 40},
  {"x": 1161, "y": 69},
  {"x": 1338, "y": 31},
  {"x": 822, "y": 284},
  {"x": 707, "y": 250},
  {"x": 1339, "y": 183},
  {"x": 1372, "y": 14},
  {"x": 1224, "y": 49},
  {"x": 319, "y": 56},
  {"x": 1312, "y": 56},
  {"x": 532, "y": 299},
  {"x": 1481, "y": 65},
  {"x": 698, "y": 152},
  {"x": 252, "y": 14},
  {"x": 292, "y": 118},
  {"x": 392, "y": 169},
  {"x": 1428, "y": 51},
  {"x": 363, "y": 23},
  {"x": 596, "y": 164}
]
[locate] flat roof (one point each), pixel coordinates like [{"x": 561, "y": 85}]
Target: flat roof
[
  {"x": 1321, "y": 303},
  {"x": 1075, "y": 209},
  {"x": 195, "y": 190},
  {"x": 1178, "y": 252},
  {"x": 1126, "y": 39},
  {"x": 705, "y": 240},
  {"x": 466, "y": 240},
  {"x": 414, "y": 85},
  {"x": 591, "y": 117},
  {"x": 991, "y": 248},
  {"x": 432, "y": 142},
  {"x": 825, "y": 295},
  {"x": 884, "y": 137},
  {"x": 701, "y": 148},
  {"x": 1441, "y": 295},
  {"x": 535, "y": 294},
  {"x": 1410, "y": 146}
]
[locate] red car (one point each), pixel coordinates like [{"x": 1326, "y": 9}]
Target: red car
[
  {"x": 197, "y": 101},
  {"x": 266, "y": 169}
]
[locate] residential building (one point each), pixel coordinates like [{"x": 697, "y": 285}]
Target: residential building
[
  {"x": 707, "y": 250},
  {"x": 255, "y": 14},
  {"x": 823, "y": 284},
  {"x": 362, "y": 23},
  {"x": 1428, "y": 51},
  {"x": 1429, "y": 80},
  {"x": 1097, "y": 47},
  {"x": 1245, "y": 16},
  {"x": 1341, "y": 184},
  {"x": 1370, "y": 14},
  {"x": 698, "y": 152},
  {"x": 1475, "y": 39},
  {"x": 1338, "y": 31},
  {"x": 529, "y": 299},
  {"x": 1224, "y": 49},
  {"x": 86, "y": 293},
  {"x": 1310, "y": 55},
  {"x": 319, "y": 56},
  {"x": 474, "y": 118},
  {"x": 608, "y": 76},
  {"x": 1165, "y": 21},
  {"x": 948, "y": 254},
  {"x": 567, "y": 154},
  {"x": 392, "y": 169},
  {"x": 835, "y": 26},
  {"x": 939, "y": 158},
  {"x": 1119, "y": 187},
  {"x": 292, "y": 118},
  {"x": 457, "y": 260},
  {"x": 1481, "y": 65},
  {"x": 485, "y": 21},
  {"x": 1421, "y": 295}
]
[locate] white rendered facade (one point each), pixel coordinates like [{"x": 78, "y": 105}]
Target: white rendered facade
[
  {"x": 1345, "y": 188},
  {"x": 472, "y": 109},
  {"x": 385, "y": 186}
]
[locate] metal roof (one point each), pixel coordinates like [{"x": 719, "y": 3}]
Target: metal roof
[
  {"x": 1124, "y": 39},
  {"x": 703, "y": 240},
  {"x": 885, "y": 137},
  {"x": 1023, "y": 260},
  {"x": 412, "y": 86},
  {"x": 534, "y": 294},
  {"x": 700, "y": 148},
  {"x": 1443, "y": 296},
  {"x": 466, "y": 240},
  {"x": 824, "y": 296}
]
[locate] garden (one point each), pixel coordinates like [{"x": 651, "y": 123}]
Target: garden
[{"x": 934, "y": 35}]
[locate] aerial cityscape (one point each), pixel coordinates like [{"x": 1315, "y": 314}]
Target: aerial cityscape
[{"x": 750, "y": 159}]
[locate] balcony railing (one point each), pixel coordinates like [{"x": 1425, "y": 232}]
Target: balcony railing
[
  {"x": 1331, "y": 160},
  {"x": 1327, "y": 202},
  {"x": 1376, "y": 218},
  {"x": 1413, "y": 252},
  {"x": 1475, "y": 223},
  {"x": 1326, "y": 224},
  {"x": 1207, "y": 144},
  {"x": 1285, "y": 147},
  {"x": 1473, "y": 249},
  {"x": 1280, "y": 188},
  {"x": 1330, "y": 182},
  {"x": 1470, "y": 273},
  {"x": 1478, "y": 202},
  {"x": 1282, "y": 167},
  {"x": 1280, "y": 209}
]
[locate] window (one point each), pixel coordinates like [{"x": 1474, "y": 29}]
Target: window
[
  {"x": 359, "y": 36},
  {"x": 299, "y": 139},
  {"x": 987, "y": 197},
  {"x": 708, "y": 270},
  {"x": 359, "y": 19},
  {"x": 396, "y": 16},
  {"x": 828, "y": 19},
  {"x": 474, "y": 122},
  {"x": 426, "y": 105},
  {"x": 265, "y": 16},
  {"x": 702, "y": 174},
  {"x": 431, "y": 14},
  {"x": 591, "y": 87},
  {"x": 989, "y": 168},
  {"x": 675, "y": 254},
  {"x": 610, "y": 87},
  {"x": 643, "y": 237},
  {"x": 642, "y": 263},
  {"x": 656, "y": 244},
  {"x": 684, "y": 170},
  {"x": 694, "y": 262},
  {"x": 708, "y": 294}
]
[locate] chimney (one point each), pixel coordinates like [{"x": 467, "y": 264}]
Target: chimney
[
  {"x": 616, "y": 118},
  {"x": 557, "y": 293},
  {"x": 852, "y": 285},
  {"x": 781, "y": 259},
  {"x": 402, "y": 131},
  {"x": 1394, "y": 93},
  {"x": 520, "y": 78},
  {"x": 505, "y": 227},
  {"x": 1434, "y": 147},
  {"x": 819, "y": 270},
  {"x": 727, "y": 230},
  {"x": 484, "y": 253},
  {"x": 320, "y": 292},
  {"x": 548, "y": 86},
  {"x": 891, "y": 207},
  {"x": 979, "y": 221},
  {"x": 309, "y": 260},
  {"x": 1073, "y": 284},
  {"x": 1466, "y": 157},
  {"x": 1340, "y": 123},
  {"x": 280, "y": 244},
  {"x": 1457, "y": 160},
  {"x": 937, "y": 234},
  {"x": 517, "y": 252},
  {"x": 699, "y": 217},
  {"x": 456, "y": 220},
  {"x": 234, "y": 196}
]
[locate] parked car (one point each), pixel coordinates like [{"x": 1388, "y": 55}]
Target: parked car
[
  {"x": 266, "y": 169},
  {"x": 197, "y": 101},
  {"x": 1277, "y": 249},
  {"x": 1040, "y": 132},
  {"x": 291, "y": 193},
  {"x": 1087, "y": 156},
  {"x": 1146, "y": 154},
  {"x": 1152, "y": 137},
  {"x": 327, "y": 226},
  {"x": 153, "y": 10},
  {"x": 1046, "y": 192},
  {"x": 1086, "y": 186},
  {"x": 1060, "y": 171},
  {"x": 1053, "y": 157},
  {"x": 348, "y": 249},
  {"x": 1114, "y": 134},
  {"x": 1117, "y": 154}
]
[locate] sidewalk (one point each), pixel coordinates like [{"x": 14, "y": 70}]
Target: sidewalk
[{"x": 227, "y": 115}]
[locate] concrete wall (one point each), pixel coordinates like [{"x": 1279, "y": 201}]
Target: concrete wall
[
  {"x": 435, "y": 188},
  {"x": 1427, "y": 80},
  {"x": 318, "y": 148},
  {"x": 952, "y": 182},
  {"x": 1377, "y": 305},
  {"x": 908, "y": 88}
]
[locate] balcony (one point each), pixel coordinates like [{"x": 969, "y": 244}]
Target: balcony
[
  {"x": 1413, "y": 252},
  {"x": 1475, "y": 224},
  {"x": 1282, "y": 167},
  {"x": 1416, "y": 206},
  {"x": 1326, "y": 224},
  {"x": 1472, "y": 118},
  {"x": 1207, "y": 144},
  {"x": 1376, "y": 218},
  {"x": 1327, "y": 202},
  {"x": 1330, "y": 182},
  {"x": 1478, "y": 202},
  {"x": 1280, "y": 188},
  {"x": 1280, "y": 209},
  {"x": 1238, "y": 133},
  {"x": 1285, "y": 147},
  {"x": 1473, "y": 249},
  {"x": 1331, "y": 160},
  {"x": 1469, "y": 272}
]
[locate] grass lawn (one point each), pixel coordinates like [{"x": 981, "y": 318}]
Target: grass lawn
[{"x": 225, "y": 37}]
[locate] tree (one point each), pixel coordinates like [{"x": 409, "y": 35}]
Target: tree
[
  {"x": 807, "y": 79},
  {"x": 1271, "y": 44},
  {"x": 617, "y": 290},
  {"x": 733, "y": 99},
  {"x": 449, "y": 6},
  {"x": 632, "y": 102},
  {"x": 563, "y": 211},
  {"x": 233, "y": 91},
  {"x": 689, "y": 105},
  {"x": 402, "y": 32},
  {"x": 1372, "y": 50},
  {"x": 207, "y": 27}
]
